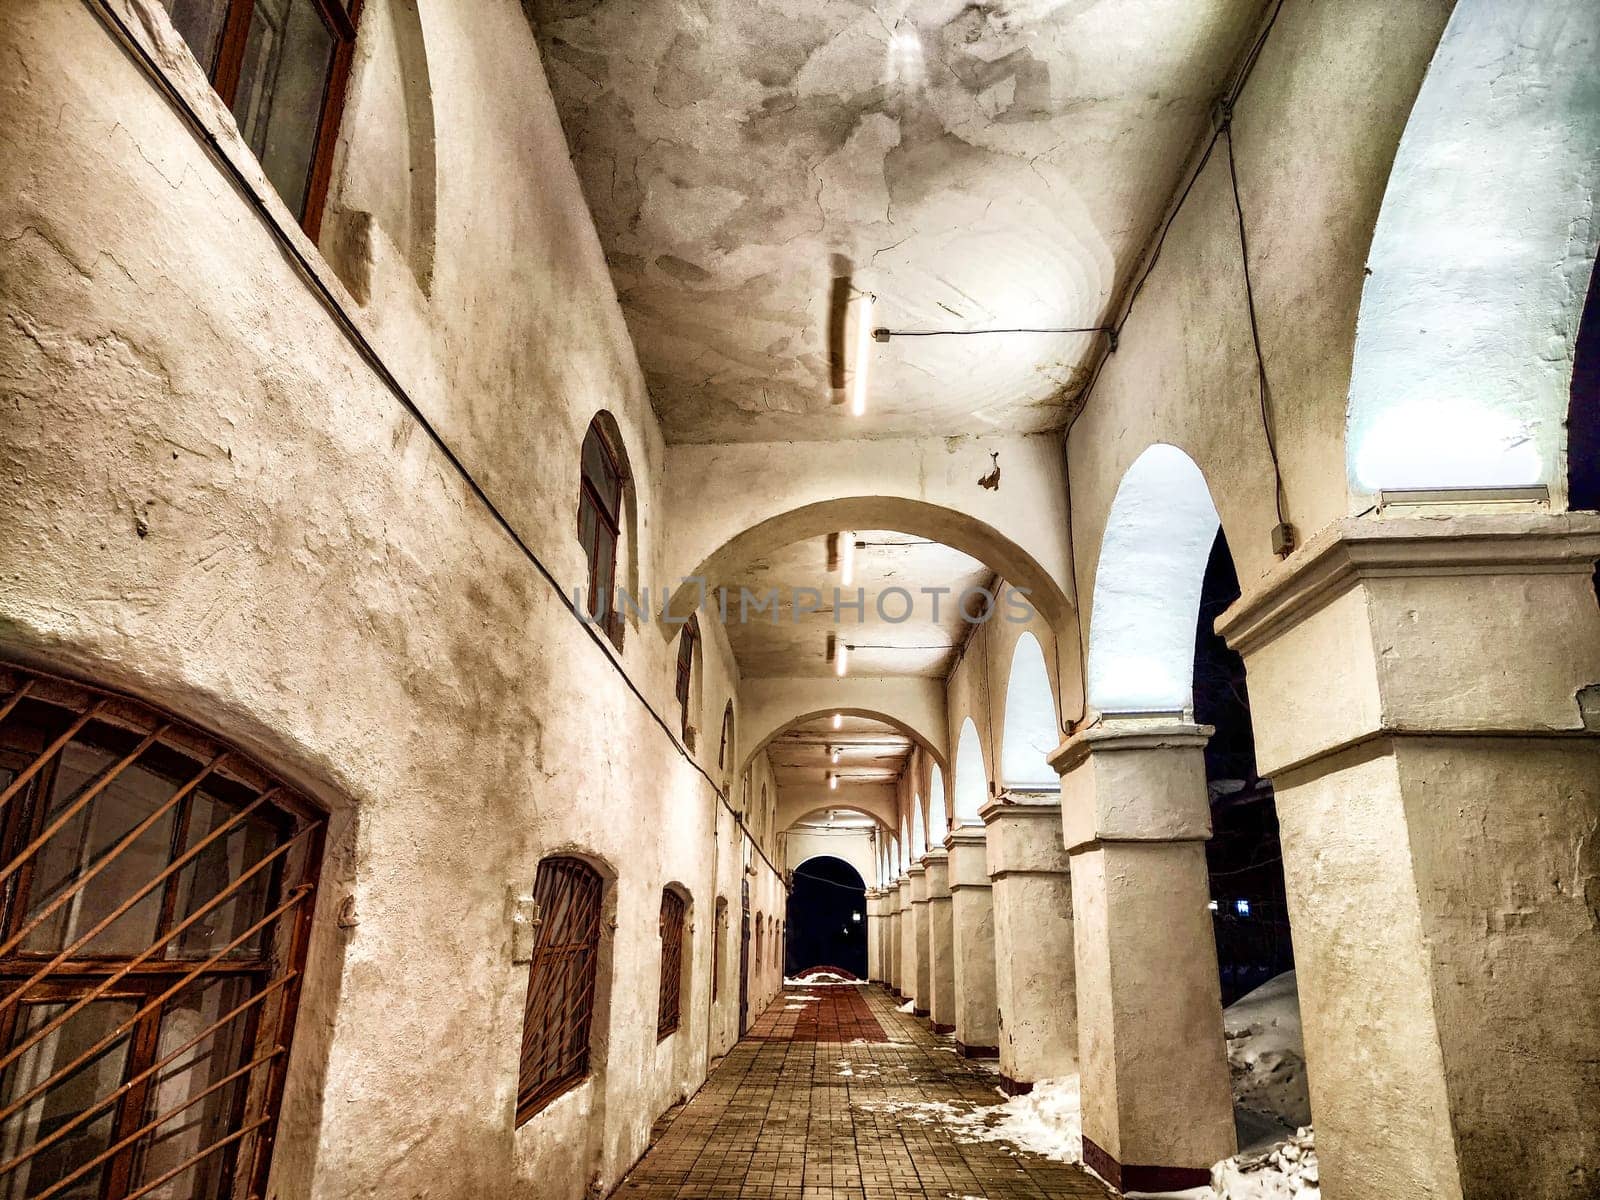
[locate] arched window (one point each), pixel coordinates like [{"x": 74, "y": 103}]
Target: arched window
[
  {"x": 687, "y": 642},
  {"x": 720, "y": 932},
  {"x": 671, "y": 925},
  {"x": 600, "y": 497},
  {"x": 157, "y": 893},
  {"x": 281, "y": 66},
  {"x": 561, "y": 981},
  {"x": 727, "y": 736}
]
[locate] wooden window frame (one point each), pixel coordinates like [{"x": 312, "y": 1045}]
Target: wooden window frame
[
  {"x": 225, "y": 72},
  {"x": 41, "y": 718},
  {"x": 727, "y": 736},
  {"x": 687, "y": 641},
  {"x": 672, "y": 927},
  {"x": 591, "y": 501},
  {"x": 570, "y": 896}
]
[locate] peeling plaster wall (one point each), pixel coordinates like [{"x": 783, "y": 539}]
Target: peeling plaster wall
[
  {"x": 1315, "y": 135},
  {"x": 214, "y": 503}
]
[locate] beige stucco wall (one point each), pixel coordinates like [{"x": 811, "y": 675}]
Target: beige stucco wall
[
  {"x": 1315, "y": 134},
  {"x": 216, "y": 503}
]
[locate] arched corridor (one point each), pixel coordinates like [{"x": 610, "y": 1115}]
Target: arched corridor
[{"x": 804, "y": 602}]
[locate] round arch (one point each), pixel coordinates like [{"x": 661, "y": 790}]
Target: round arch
[
  {"x": 972, "y": 777},
  {"x": 958, "y": 530},
  {"x": 1031, "y": 728},
  {"x": 833, "y": 858},
  {"x": 872, "y": 714},
  {"x": 919, "y": 836},
  {"x": 1147, "y": 586},
  {"x": 938, "y": 817},
  {"x": 1484, "y": 239},
  {"x": 842, "y": 806}
]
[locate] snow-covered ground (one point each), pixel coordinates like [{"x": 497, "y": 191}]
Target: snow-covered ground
[
  {"x": 822, "y": 979},
  {"x": 1266, "y": 1059}
]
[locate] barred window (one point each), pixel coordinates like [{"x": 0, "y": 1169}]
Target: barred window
[
  {"x": 600, "y": 497},
  {"x": 561, "y": 983},
  {"x": 155, "y": 904},
  {"x": 281, "y": 66},
  {"x": 672, "y": 912},
  {"x": 687, "y": 640}
]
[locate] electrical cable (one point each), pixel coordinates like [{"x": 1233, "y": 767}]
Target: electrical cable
[
  {"x": 1263, "y": 389},
  {"x": 894, "y": 333},
  {"x": 130, "y": 43}
]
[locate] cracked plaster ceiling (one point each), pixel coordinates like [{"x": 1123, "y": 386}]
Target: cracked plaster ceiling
[{"x": 989, "y": 164}]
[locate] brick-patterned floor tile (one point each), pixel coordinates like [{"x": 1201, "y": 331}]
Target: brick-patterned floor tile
[{"x": 810, "y": 1106}]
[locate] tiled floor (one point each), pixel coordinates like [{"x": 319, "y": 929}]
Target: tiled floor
[{"x": 788, "y": 1116}]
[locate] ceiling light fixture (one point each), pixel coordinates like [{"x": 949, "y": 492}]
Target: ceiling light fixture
[
  {"x": 833, "y": 782},
  {"x": 841, "y": 659},
  {"x": 838, "y": 720},
  {"x": 864, "y": 336},
  {"x": 834, "y": 754},
  {"x": 847, "y": 558}
]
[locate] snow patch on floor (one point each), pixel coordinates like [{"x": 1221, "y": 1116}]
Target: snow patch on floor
[
  {"x": 1286, "y": 1172},
  {"x": 910, "y": 1006},
  {"x": 823, "y": 979},
  {"x": 1047, "y": 1121}
]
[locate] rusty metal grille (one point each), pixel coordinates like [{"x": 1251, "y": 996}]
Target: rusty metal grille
[
  {"x": 561, "y": 982},
  {"x": 672, "y": 911},
  {"x": 156, "y": 893}
]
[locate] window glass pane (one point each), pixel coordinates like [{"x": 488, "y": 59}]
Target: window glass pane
[
  {"x": 86, "y": 839},
  {"x": 288, "y": 56},
  {"x": 598, "y": 471},
  {"x": 57, "y": 1106},
  {"x": 200, "y": 22},
  {"x": 207, "y": 1063},
  {"x": 209, "y": 874}
]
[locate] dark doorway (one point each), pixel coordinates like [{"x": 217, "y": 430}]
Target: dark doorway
[
  {"x": 827, "y": 921},
  {"x": 744, "y": 956},
  {"x": 1583, "y": 412},
  {"x": 1249, "y": 908}
]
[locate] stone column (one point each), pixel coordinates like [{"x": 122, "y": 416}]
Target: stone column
[
  {"x": 1425, "y": 701},
  {"x": 972, "y": 934},
  {"x": 921, "y": 992},
  {"x": 892, "y": 915},
  {"x": 1034, "y": 966},
  {"x": 874, "y": 934},
  {"x": 941, "y": 946},
  {"x": 908, "y": 940},
  {"x": 1157, "y": 1103}
]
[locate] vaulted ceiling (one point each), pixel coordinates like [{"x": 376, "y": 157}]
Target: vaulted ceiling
[{"x": 993, "y": 164}]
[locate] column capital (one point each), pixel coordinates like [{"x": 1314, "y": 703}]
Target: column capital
[
  {"x": 1392, "y": 626},
  {"x": 1134, "y": 779},
  {"x": 1111, "y": 734},
  {"x": 1024, "y": 839},
  {"x": 938, "y": 874},
  {"x": 919, "y": 883},
  {"x": 968, "y": 847}
]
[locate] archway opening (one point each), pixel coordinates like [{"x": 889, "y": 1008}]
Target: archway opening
[
  {"x": 972, "y": 778},
  {"x": 1583, "y": 411},
  {"x": 826, "y": 918},
  {"x": 1165, "y": 575},
  {"x": 1031, "y": 731}
]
